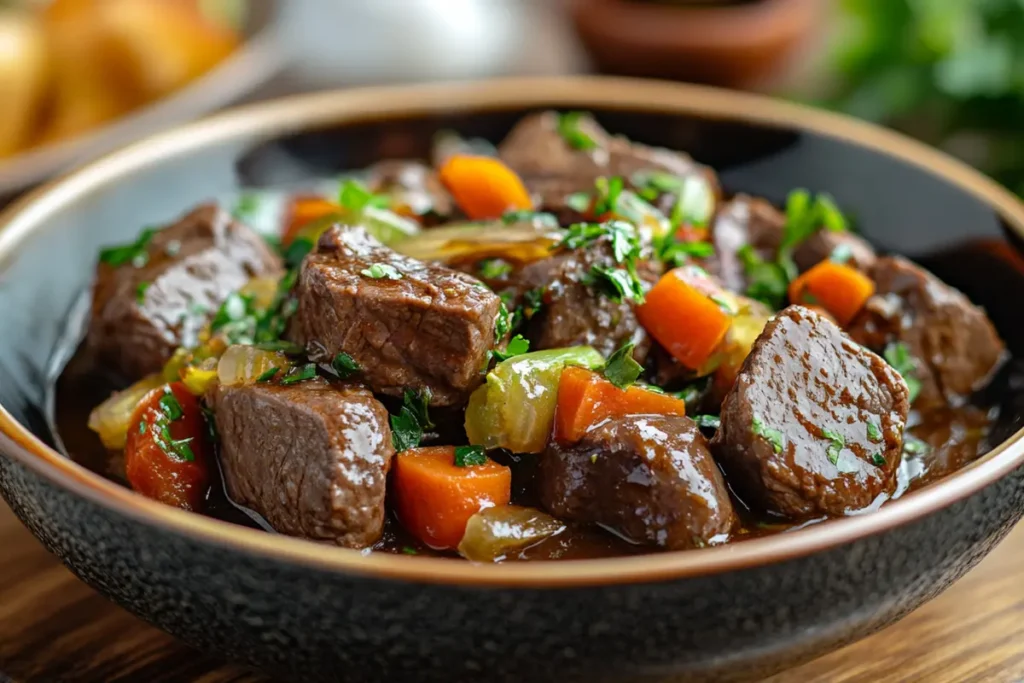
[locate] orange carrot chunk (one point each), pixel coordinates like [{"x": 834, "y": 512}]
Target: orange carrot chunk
[
  {"x": 435, "y": 497},
  {"x": 685, "y": 320},
  {"x": 166, "y": 456},
  {"x": 585, "y": 398},
  {"x": 305, "y": 209},
  {"x": 839, "y": 289},
  {"x": 484, "y": 187}
]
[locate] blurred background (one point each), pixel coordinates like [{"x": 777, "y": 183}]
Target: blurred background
[{"x": 81, "y": 77}]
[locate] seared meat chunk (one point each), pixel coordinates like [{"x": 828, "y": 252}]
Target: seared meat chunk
[
  {"x": 648, "y": 477},
  {"x": 752, "y": 221},
  {"x": 953, "y": 342},
  {"x": 573, "y": 313},
  {"x": 408, "y": 325},
  {"x": 143, "y": 311},
  {"x": 552, "y": 168},
  {"x": 814, "y": 424},
  {"x": 413, "y": 185},
  {"x": 312, "y": 458}
]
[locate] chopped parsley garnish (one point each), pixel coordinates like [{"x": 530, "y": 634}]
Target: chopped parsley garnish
[
  {"x": 355, "y": 196},
  {"x": 180, "y": 447},
  {"x": 608, "y": 192},
  {"x": 470, "y": 456},
  {"x": 618, "y": 284},
  {"x": 297, "y": 251},
  {"x": 379, "y": 271},
  {"x": 142, "y": 426},
  {"x": 236, "y": 319},
  {"x": 708, "y": 421},
  {"x": 806, "y": 214},
  {"x": 841, "y": 254},
  {"x": 874, "y": 432},
  {"x": 140, "y": 292},
  {"x": 494, "y": 268},
  {"x": 897, "y": 354},
  {"x": 246, "y": 207},
  {"x": 578, "y": 202},
  {"x": 300, "y": 373},
  {"x": 914, "y": 446},
  {"x": 878, "y": 459},
  {"x": 527, "y": 216},
  {"x": 267, "y": 375},
  {"x": 502, "y": 321},
  {"x": 622, "y": 369},
  {"x": 772, "y": 436},
  {"x": 409, "y": 550},
  {"x": 170, "y": 406},
  {"x": 691, "y": 394},
  {"x": 134, "y": 253},
  {"x": 723, "y": 304},
  {"x": 623, "y": 237},
  {"x": 836, "y": 445},
  {"x": 408, "y": 425},
  {"x": 679, "y": 253},
  {"x": 345, "y": 365},
  {"x": 574, "y": 136},
  {"x": 533, "y": 300},
  {"x": 694, "y": 198},
  {"x": 516, "y": 346},
  {"x": 767, "y": 280}
]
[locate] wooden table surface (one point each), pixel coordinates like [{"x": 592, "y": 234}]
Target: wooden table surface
[{"x": 53, "y": 629}]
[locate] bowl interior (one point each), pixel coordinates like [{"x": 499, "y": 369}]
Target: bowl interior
[{"x": 48, "y": 252}]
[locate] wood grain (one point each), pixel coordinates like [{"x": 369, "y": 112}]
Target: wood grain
[{"x": 54, "y": 629}]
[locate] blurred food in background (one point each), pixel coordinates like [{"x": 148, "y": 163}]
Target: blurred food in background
[
  {"x": 950, "y": 72},
  {"x": 68, "y": 66},
  {"x": 733, "y": 43}
]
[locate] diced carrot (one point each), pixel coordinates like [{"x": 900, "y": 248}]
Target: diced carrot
[
  {"x": 484, "y": 187},
  {"x": 305, "y": 209},
  {"x": 435, "y": 498},
  {"x": 166, "y": 455},
  {"x": 585, "y": 398},
  {"x": 684, "y": 319},
  {"x": 838, "y": 288}
]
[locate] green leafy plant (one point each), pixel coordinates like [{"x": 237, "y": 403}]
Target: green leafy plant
[{"x": 950, "y": 72}]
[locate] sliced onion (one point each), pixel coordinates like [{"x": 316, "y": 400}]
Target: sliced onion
[
  {"x": 495, "y": 533},
  {"x": 241, "y": 364},
  {"x": 112, "y": 418},
  {"x": 518, "y": 243}
]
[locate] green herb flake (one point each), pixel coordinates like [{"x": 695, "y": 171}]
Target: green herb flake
[
  {"x": 247, "y": 207},
  {"x": 140, "y": 292},
  {"x": 609, "y": 191},
  {"x": 570, "y": 130},
  {"x": 516, "y": 346},
  {"x": 345, "y": 365},
  {"x": 182, "y": 449},
  {"x": 841, "y": 254},
  {"x": 142, "y": 426},
  {"x": 493, "y": 268},
  {"x": 772, "y": 436},
  {"x": 836, "y": 445},
  {"x": 409, "y": 550},
  {"x": 677, "y": 253},
  {"x": 170, "y": 407},
  {"x": 300, "y": 373},
  {"x": 134, "y": 253},
  {"x": 470, "y": 456},
  {"x": 378, "y": 271},
  {"x": 874, "y": 432},
  {"x": 406, "y": 432},
  {"x": 502, "y": 322},
  {"x": 878, "y": 460},
  {"x": 618, "y": 284},
  {"x": 355, "y": 197},
  {"x": 622, "y": 369},
  {"x": 767, "y": 281},
  {"x": 914, "y": 446},
  {"x": 723, "y": 304},
  {"x": 578, "y": 202},
  {"x": 267, "y": 375},
  {"x": 708, "y": 421},
  {"x": 297, "y": 251},
  {"x": 897, "y": 354}
]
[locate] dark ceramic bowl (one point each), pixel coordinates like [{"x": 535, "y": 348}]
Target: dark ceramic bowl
[{"x": 309, "y": 612}]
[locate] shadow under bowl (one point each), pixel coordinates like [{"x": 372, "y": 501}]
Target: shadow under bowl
[{"x": 308, "y": 612}]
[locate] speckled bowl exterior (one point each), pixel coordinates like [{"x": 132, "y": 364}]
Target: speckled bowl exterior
[{"x": 311, "y": 613}]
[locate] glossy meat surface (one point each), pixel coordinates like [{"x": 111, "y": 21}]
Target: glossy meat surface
[
  {"x": 650, "y": 478},
  {"x": 954, "y": 344},
  {"x": 141, "y": 314},
  {"x": 420, "y": 326},
  {"x": 311, "y": 458},
  {"x": 814, "y": 424}
]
